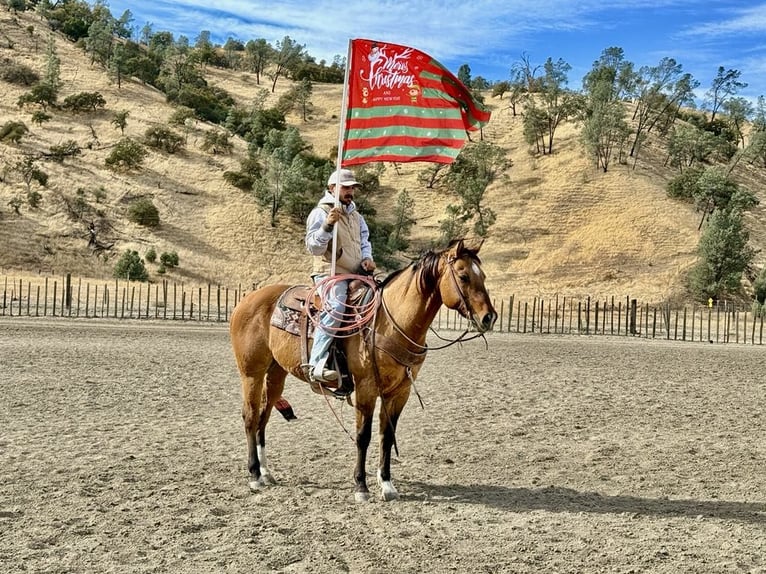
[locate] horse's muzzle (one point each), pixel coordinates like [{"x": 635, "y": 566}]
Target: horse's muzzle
[{"x": 486, "y": 322}]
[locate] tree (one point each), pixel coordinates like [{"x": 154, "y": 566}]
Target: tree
[
  {"x": 120, "y": 120},
  {"x": 258, "y": 53},
  {"x": 204, "y": 50},
  {"x": 130, "y": 266},
  {"x": 52, "y": 77},
  {"x": 284, "y": 172},
  {"x": 689, "y": 145},
  {"x": 101, "y": 33},
  {"x": 464, "y": 75},
  {"x": 144, "y": 212},
  {"x": 42, "y": 94},
  {"x": 556, "y": 104},
  {"x": 119, "y": 64},
  {"x": 723, "y": 256},
  {"x": 660, "y": 91},
  {"x": 398, "y": 239},
  {"x": 29, "y": 171},
  {"x": 604, "y": 125},
  {"x": 12, "y": 131},
  {"x": 127, "y": 154},
  {"x": 725, "y": 85},
  {"x": 605, "y": 129},
  {"x": 738, "y": 111},
  {"x": 288, "y": 54},
  {"x": 477, "y": 166}
]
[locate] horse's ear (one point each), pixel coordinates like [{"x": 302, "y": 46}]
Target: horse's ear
[
  {"x": 470, "y": 246},
  {"x": 475, "y": 245},
  {"x": 456, "y": 248}
]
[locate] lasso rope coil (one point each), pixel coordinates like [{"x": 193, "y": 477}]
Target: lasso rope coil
[{"x": 355, "y": 316}]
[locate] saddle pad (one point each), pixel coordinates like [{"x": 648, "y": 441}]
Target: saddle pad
[{"x": 288, "y": 310}]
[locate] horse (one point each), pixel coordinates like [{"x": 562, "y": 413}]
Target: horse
[{"x": 384, "y": 358}]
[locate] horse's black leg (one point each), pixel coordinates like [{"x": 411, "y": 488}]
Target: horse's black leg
[
  {"x": 275, "y": 384},
  {"x": 389, "y": 417},
  {"x": 250, "y": 418},
  {"x": 363, "y": 435}
]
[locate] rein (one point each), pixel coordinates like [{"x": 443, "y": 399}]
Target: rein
[{"x": 464, "y": 309}]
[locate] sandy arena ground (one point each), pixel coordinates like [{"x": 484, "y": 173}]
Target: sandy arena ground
[{"x": 122, "y": 450}]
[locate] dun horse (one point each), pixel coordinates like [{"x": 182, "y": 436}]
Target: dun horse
[{"x": 384, "y": 360}]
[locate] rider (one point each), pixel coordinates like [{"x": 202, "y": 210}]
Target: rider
[{"x": 353, "y": 255}]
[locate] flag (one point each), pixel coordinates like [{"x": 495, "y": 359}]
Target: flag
[{"x": 403, "y": 106}]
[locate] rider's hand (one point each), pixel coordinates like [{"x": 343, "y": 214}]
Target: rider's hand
[
  {"x": 333, "y": 217},
  {"x": 368, "y": 264}
]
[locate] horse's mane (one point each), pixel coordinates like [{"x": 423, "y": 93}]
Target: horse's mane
[{"x": 426, "y": 268}]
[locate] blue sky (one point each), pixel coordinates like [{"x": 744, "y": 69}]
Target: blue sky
[{"x": 490, "y": 35}]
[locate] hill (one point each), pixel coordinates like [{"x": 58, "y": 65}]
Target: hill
[{"x": 563, "y": 226}]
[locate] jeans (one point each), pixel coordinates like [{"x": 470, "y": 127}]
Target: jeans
[{"x": 335, "y": 299}]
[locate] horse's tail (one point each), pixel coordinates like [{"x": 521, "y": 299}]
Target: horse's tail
[{"x": 285, "y": 409}]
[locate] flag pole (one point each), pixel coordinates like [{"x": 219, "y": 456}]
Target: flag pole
[{"x": 341, "y": 133}]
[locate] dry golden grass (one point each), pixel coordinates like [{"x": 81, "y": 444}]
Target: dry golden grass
[{"x": 563, "y": 226}]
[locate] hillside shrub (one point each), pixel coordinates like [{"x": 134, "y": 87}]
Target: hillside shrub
[
  {"x": 169, "y": 259},
  {"x": 127, "y": 154},
  {"x": 13, "y": 131},
  {"x": 162, "y": 137},
  {"x": 39, "y": 117},
  {"x": 84, "y": 102},
  {"x": 684, "y": 185},
  {"x": 34, "y": 198},
  {"x": 17, "y": 73},
  {"x": 144, "y": 212},
  {"x": 151, "y": 255},
  {"x": 41, "y": 94},
  {"x": 69, "y": 148},
  {"x": 130, "y": 266}
]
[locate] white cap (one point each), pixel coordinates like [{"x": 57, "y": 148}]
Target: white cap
[{"x": 347, "y": 178}]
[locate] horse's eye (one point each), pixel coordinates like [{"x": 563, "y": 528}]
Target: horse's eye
[{"x": 464, "y": 279}]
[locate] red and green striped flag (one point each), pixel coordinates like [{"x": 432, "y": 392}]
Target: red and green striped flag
[{"x": 402, "y": 106}]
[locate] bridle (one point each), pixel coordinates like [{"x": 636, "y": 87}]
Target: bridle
[{"x": 464, "y": 308}]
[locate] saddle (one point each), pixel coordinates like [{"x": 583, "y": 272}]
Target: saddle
[{"x": 293, "y": 314}]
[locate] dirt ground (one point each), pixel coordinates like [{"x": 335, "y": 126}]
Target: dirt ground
[{"x": 122, "y": 450}]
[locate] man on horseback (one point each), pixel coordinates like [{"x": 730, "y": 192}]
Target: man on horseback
[{"x": 353, "y": 254}]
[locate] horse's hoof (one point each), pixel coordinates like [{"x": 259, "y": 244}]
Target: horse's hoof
[
  {"x": 387, "y": 491},
  {"x": 361, "y": 497},
  {"x": 389, "y": 495},
  {"x": 256, "y": 484},
  {"x": 268, "y": 480}
]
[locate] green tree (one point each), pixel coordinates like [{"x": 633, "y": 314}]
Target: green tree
[
  {"x": 12, "y": 131},
  {"x": 477, "y": 166},
  {"x": 604, "y": 125},
  {"x": 120, "y": 120},
  {"x": 52, "y": 77},
  {"x": 130, "y": 266},
  {"x": 42, "y": 94},
  {"x": 738, "y": 111},
  {"x": 27, "y": 167},
  {"x": 398, "y": 239},
  {"x": 84, "y": 102},
  {"x": 144, "y": 212},
  {"x": 724, "y": 254},
  {"x": 127, "y": 154},
  {"x": 725, "y": 85},
  {"x": 162, "y": 137},
  {"x": 287, "y": 55},
  {"x": 101, "y": 33},
  {"x": 258, "y": 54}
]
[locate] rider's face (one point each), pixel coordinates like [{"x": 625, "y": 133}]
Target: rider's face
[{"x": 346, "y": 193}]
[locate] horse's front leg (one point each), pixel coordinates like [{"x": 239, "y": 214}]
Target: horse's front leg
[
  {"x": 389, "y": 417},
  {"x": 363, "y": 435}
]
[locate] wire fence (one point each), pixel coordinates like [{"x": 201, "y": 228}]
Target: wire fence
[{"x": 717, "y": 322}]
